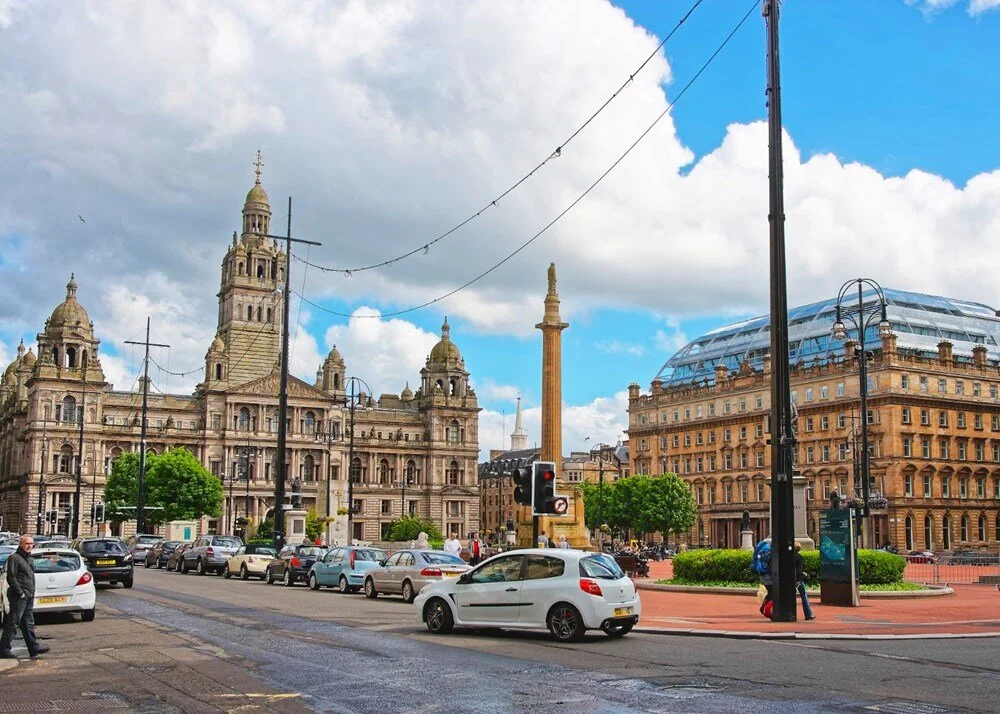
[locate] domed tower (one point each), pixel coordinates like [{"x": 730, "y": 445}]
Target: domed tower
[
  {"x": 67, "y": 346},
  {"x": 216, "y": 372},
  {"x": 249, "y": 323},
  {"x": 444, "y": 373},
  {"x": 332, "y": 373}
]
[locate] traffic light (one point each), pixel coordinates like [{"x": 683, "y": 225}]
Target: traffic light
[
  {"x": 52, "y": 516},
  {"x": 546, "y": 501},
  {"x": 98, "y": 513},
  {"x": 522, "y": 485}
]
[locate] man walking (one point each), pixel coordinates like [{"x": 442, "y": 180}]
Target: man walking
[
  {"x": 21, "y": 597},
  {"x": 476, "y": 548},
  {"x": 453, "y": 545}
]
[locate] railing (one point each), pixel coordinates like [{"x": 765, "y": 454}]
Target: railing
[{"x": 954, "y": 569}]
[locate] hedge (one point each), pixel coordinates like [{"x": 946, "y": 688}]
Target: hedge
[{"x": 875, "y": 566}]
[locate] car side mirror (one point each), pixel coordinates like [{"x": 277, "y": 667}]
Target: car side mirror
[{"x": 464, "y": 579}]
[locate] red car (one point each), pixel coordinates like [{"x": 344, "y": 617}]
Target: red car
[{"x": 920, "y": 556}]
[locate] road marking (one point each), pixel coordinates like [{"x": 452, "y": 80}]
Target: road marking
[{"x": 262, "y": 695}]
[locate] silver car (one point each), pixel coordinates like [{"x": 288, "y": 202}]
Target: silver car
[{"x": 406, "y": 572}]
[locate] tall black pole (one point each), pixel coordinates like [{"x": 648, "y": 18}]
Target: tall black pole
[
  {"x": 863, "y": 375},
  {"x": 782, "y": 437},
  {"x": 350, "y": 467},
  {"x": 232, "y": 477},
  {"x": 75, "y": 525},
  {"x": 41, "y": 478},
  {"x": 279, "y": 482},
  {"x": 140, "y": 519}
]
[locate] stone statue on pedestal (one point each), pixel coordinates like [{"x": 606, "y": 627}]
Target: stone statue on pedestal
[{"x": 297, "y": 493}]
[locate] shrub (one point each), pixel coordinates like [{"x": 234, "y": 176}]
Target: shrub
[{"x": 875, "y": 566}]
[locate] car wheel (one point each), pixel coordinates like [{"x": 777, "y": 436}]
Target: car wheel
[
  {"x": 288, "y": 580},
  {"x": 269, "y": 577},
  {"x": 438, "y": 617},
  {"x": 370, "y": 591},
  {"x": 226, "y": 574},
  {"x": 88, "y": 615},
  {"x": 127, "y": 583},
  {"x": 146, "y": 564},
  {"x": 313, "y": 582},
  {"x": 344, "y": 586},
  {"x": 408, "y": 593},
  {"x": 565, "y": 623},
  {"x": 616, "y": 631},
  {"x": 183, "y": 568},
  {"x": 200, "y": 567},
  {"x": 244, "y": 573}
]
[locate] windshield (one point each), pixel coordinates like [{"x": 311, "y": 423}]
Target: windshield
[
  {"x": 370, "y": 555},
  {"x": 227, "y": 542},
  {"x": 311, "y": 552},
  {"x": 601, "y": 566},
  {"x": 148, "y": 540},
  {"x": 56, "y": 562},
  {"x": 104, "y": 547},
  {"x": 442, "y": 559}
]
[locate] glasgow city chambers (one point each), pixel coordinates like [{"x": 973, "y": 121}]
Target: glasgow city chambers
[
  {"x": 933, "y": 422},
  {"x": 415, "y": 452}
]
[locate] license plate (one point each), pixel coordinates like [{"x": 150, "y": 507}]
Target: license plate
[
  {"x": 105, "y": 562},
  {"x": 622, "y": 611},
  {"x": 51, "y": 600},
  {"x": 450, "y": 575}
]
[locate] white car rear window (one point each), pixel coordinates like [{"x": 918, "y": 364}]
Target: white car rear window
[
  {"x": 56, "y": 562},
  {"x": 600, "y": 566}
]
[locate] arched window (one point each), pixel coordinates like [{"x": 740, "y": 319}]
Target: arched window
[
  {"x": 453, "y": 431},
  {"x": 259, "y": 313},
  {"x": 982, "y": 528},
  {"x": 55, "y": 356},
  {"x": 69, "y": 410},
  {"x": 946, "y": 533},
  {"x": 440, "y": 385},
  {"x": 384, "y": 472},
  {"x": 452, "y": 387},
  {"x": 411, "y": 472},
  {"x": 965, "y": 528},
  {"x": 701, "y": 532},
  {"x": 909, "y": 533},
  {"x": 218, "y": 370},
  {"x": 71, "y": 357},
  {"x": 309, "y": 423},
  {"x": 928, "y": 541},
  {"x": 239, "y": 268},
  {"x": 260, "y": 270},
  {"x": 336, "y": 380},
  {"x": 85, "y": 360},
  {"x": 453, "y": 475},
  {"x": 66, "y": 459},
  {"x": 268, "y": 314},
  {"x": 109, "y": 462},
  {"x": 307, "y": 468},
  {"x": 356, "y": 470},
  {"x": 249, "y": 312},
  {"x": 243, "y": 419}
]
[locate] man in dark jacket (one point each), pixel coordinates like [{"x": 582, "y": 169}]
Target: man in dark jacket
[{"x": 21, "y": 601}]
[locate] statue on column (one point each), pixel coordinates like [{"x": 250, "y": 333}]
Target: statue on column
[
  {"x": 745, "y": 521},
  {"x": 297, "y": 493}
]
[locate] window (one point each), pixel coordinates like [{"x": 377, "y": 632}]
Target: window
[
  {"x": 758, "y": 402},
  {"x": 923, "y": 383},
  {"x": 743, "y": 433},
  {"x": 965, "y": 528},
  {"x": 907, "y": 446},
  {"x": 842, "y": 452},
  {"x": 699, "y": 439},
  {"x": 687, "y": 440},
  {"x": 925, "y": 448},
  {"x": 981, "y": 487},
  {"x": 993, "y": 391},
  {"x": 996, "y": 452},
  {"x": 540, "y": 567},
  {"x": 963, "y": 487},
  {"x": 980, "y": 451},
  {"x": 871, "y": 417},
  {"x": 925, "y": 417},
  {"x": 760, "y": 490},
  {"x": 711, "y": 409},
  {"x": 699, "y": 411},
  {"x": 841, "y": 421},
  {"x": 698, "y": 495},
  {"x": 711, "y": 495},
  {"x": 743, "y": 404},
  {"x": 725, "y": 407},
  {"x": 909, "y": 532},
  {"x": 840, "y": 389},
  {"x": 943, "y": 419},
  {"x": 904, "y": 381},
  {"x": 727, "y": 435},
  {"x": 959, "y": 387},
  {"x": 727, "y": 461},
  {"x": 743, "y": 459},
  {"x": 977, "y": 422},
  {"x": 960, "y": 420},
  {"x": 995, "y": 422},
  {"x": 825, "y": 452},
  {"x": 711, "y": 463},
  {"x": 308, "y": 425},
  {"x": 962, "y": 451},
  {"x": 945, "y": 449},
  {"x": 945, "y": 487},
  {"x": 977, "y": 389},
  {"x": 811, "y": 490},
  {"x": 727, "y": 493},
  {"x": 810, "y": 454},
  {"x": 386, "y": 507},
  {"x": 711, "y": 437},
  {"x": 453, "y": 431},
  {"x": 677, "y": 415},
  {"x": 824, "y": 423},
  {"x": 809, "y": 424},
  {"x": 687, "y": 413},
  {"x": 809, "y": 394},
  {"x": 676, "y": 440},
  {"x": 982, "y": 528},
  {"x": 826, "y": 489},
  {"x": 743, "y": 491},
  {"x": 906, "y": 415},
  {"x": 942, "y": 386},
  {"x": 824, "y": 392},
  {"x": 927, "y": 486},
  {"x": 794, "y": 396},
  {"x": 643, "y": 445},
  {"x": 454, "y": 475},
  {"x": 502, "y": 570}
]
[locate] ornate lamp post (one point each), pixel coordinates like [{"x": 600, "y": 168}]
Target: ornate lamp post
[
  {"x": 598, "y": 449},
  {"x": 864, "y": 318},
  {"x": 352, "y": 398}
]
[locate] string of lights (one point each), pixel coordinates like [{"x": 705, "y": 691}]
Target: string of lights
[
  {"x": 494, "y": 203},
  {"x": 566, "y": 210}
]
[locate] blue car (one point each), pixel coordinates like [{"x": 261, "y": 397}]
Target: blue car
[{"x": 345, "y": 568}]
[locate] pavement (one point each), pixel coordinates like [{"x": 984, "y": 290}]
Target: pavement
[{"x": 970, "y": 611}]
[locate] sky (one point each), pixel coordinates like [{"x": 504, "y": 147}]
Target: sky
[{"x": 130, "y": 128}]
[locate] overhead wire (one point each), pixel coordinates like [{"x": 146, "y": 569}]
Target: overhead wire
[
  {"x": 566, "y": 210},
  {"x": 425, "y": 247}
]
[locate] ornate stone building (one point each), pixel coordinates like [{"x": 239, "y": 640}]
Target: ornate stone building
[
  {"x": 414, "y": 452},
  {"x": 933, "y": 422}
]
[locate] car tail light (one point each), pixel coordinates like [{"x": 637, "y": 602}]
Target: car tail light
[
  {"x": 84, "y": 579},
  {"x": 431, "y": 572},
  {"x": 296, "y": 563},
  {"x": 210, "y": 552},
  {"x": 353, "y": 554},
  {"x": 590, "y": 586}
]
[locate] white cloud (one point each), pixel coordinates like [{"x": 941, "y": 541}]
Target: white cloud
[
  {"x": 492, "y": 391},
  {"x": 978, "y": 7},
  {"x": 975, "y": 7},
  {"x": 386, "y": 353},
  {"x": 614, "y": 347}
]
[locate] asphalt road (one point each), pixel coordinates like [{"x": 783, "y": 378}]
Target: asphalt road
[{"x": 344, "y": 653}]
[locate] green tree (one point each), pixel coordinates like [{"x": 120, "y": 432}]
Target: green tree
[
  {"x": 314, "y": 525},
  {"x": 641, "y": 504},
  {"x": 265, "y": 531},
  {"x": 409, "y": 527},
  {"x": 675, "y": 510},
  {"x": 121, "y": 490}
]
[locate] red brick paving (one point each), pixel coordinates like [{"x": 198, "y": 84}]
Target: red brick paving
[{"x": 973, "y": 609}]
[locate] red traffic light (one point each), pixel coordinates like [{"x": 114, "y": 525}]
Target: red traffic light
[{"x": 548, "y": 475}]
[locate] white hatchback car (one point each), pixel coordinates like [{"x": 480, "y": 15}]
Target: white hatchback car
[
  {"x": 62, "y": 583},
  {"x": 566, "y": 591}
]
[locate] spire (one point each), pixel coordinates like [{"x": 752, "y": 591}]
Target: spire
[
  {"x": 445, "y": 330},
  {"x": 258, "y": 162},
  {"x": 518, "y": 437},
  {"x": 71, "y": 287}
]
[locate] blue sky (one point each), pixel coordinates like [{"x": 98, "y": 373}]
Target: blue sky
[{"x": 390, "y": 122}]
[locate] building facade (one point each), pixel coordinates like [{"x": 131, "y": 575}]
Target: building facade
[
  {"x": 414, "y": 452},
  {"x": 933, "y": 427}
]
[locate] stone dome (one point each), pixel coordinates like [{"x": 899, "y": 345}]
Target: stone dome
[
  {"x": 29, "y": 358},
  {"x": 258, "y": 195},
  {"x": 8, "y": 374},
  {"x": 407, "y": 394},
  {"x": 218, "y": 345},
  {"x": 70, "y": 312},
  {"x": 445, "y": 350},
  {"x": 335, "y": 356}
]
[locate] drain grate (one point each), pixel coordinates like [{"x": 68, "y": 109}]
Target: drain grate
[
  {"x": 907, "y": 708},
  {"x": 93, "y": 704}
]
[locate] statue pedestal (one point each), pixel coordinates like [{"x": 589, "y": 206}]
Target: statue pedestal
[
  {"x": 746, "y": 540},
  {"x": 336, "y": 530},
  {"x": 295, "y": 525},
  {"x": 799, "y": 503}
]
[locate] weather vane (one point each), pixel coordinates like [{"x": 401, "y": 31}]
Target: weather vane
[{"x": 258, "y": 162}]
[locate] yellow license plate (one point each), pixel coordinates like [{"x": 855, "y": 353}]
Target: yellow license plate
[
  {"x": 51, "y": 600},
  {"x": 105, "y": 562},
  {"x": 450, "y": 575},
  {"x": 622, "y": 611}
]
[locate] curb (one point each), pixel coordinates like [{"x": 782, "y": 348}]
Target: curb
[
  {"x": 739, "y": 635},
  {"x": 932, "y": 591},
  {"x": 6, "y": 664}
]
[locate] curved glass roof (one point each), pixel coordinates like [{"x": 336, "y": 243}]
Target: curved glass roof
[{"x": 919, "y": 322}]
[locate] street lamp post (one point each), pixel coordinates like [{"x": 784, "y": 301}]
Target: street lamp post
[
  {"x": 327, "y": 438},
  {"x": 41, "y": 477},
  {"x": 352, "y": 400},
  {"x": 75, "y": 525},
  {"x": 863, "y": 320},
  {"x": 599, "y": 449}
]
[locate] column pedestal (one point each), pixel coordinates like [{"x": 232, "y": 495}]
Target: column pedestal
[{"x": 295, "y": 525}]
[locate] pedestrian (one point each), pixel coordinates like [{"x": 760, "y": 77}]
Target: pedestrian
[
  {"x": 21, "y": 601},
  {"x": 543, "y": 540},
  {"x": 800, "y": 582},
  {"x": 453, "y": 545},
  {"x": 476, "y": 549},
  {"x": 761, "y": 564},
  {"x": 563, "y": 543}
]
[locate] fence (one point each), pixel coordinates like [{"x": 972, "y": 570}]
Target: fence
[{"x": 949, "y": 570}]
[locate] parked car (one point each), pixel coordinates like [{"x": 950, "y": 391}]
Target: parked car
[
  {"x": 292, "y": 564},
  {"x": 62, "y": 584},
  {"x": 138, "y": 545},
  {"x": 565, "y": 591},
  {"x": 209, "y": 554},
  {"x": 250, "y": 559},
  {"x": 5, "y": 551},
  {"x": 345, "y": 568},
  {"x": 406, "y": 572},
  {"x": 174, "y": 559},
  {"x": 920, "y": 556},
  {"x": 156, "y": 556},
  {"x": 108, "y": 559},
  {"x": 55, "y": 543}
]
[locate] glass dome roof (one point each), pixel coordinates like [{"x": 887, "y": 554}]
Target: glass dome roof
[{"x": 919, "y": 322}]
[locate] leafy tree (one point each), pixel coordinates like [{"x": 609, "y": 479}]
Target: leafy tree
[
  {"x": 314, "y": 525},
  {"x": 674, "y": 505},
  {"x": 265, "y": 531},
  {"x": 121, "y": 490},
  {"x": 409, "y": 527},
  {"x": 641, "y": 504}
]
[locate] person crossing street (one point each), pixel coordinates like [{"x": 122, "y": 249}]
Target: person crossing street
[{"x": 21, "y": 599}]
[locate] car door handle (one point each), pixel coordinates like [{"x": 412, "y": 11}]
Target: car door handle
[{"x": 512, "y": 590}]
